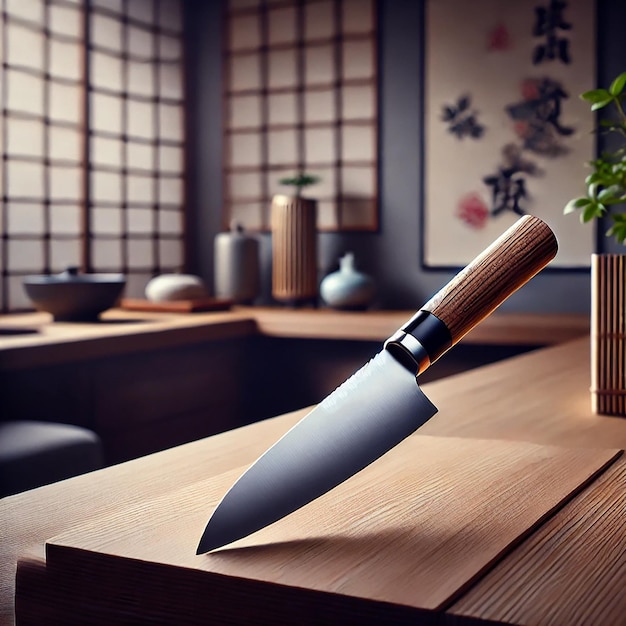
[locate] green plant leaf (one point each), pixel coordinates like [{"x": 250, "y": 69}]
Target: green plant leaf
[
  {"x": 600, "y": 104},
  {"x": 617, "y": 86},
  {"x": 575, "y": 204},
  {"x": 596, "y": 95}
]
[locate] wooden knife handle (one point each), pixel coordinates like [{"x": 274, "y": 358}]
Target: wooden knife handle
[{"x": 507, "y": 264}]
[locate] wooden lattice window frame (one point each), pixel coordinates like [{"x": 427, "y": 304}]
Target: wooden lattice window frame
[
  {"x": 301, "y": 94},
  {"x": 56, "y": 225}
]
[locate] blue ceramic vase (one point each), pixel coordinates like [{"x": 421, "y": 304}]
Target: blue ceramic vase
[{"x": 347, "y": 288}]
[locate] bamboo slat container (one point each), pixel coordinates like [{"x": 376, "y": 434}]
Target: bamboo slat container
[
  {"x": 608, "y": 334},
  {"x": 294, "y": 249}
]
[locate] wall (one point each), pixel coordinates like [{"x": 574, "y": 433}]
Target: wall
[{"x": 393, "y": 254}]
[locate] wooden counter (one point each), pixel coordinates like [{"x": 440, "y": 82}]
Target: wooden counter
[
  {"x": 571, "y": 569},
  {"x": 123, "y": 332}
]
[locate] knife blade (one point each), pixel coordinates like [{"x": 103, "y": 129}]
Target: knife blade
[{"x": 382, "y": 403}]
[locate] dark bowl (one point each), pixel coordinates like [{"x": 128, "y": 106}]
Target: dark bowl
[{"x": 74, "y": 297}]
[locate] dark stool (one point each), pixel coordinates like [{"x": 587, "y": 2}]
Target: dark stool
[{"x": 33, "y": 454}]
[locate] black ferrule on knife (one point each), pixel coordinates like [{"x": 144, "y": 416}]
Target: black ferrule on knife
[{"x": 420, "y": 342}]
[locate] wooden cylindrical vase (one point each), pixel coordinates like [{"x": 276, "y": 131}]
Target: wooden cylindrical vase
[
  {"x": 294, "y": 249},
  {"x": 608, "y": 334}
]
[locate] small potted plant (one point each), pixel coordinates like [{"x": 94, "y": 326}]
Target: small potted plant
[
  {"x": 294, "y": 243},
  {"x": 606, "y": 197},
  {"x": 606, "y": 185}
]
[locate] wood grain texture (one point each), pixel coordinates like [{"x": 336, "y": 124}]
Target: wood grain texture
[
  {"x": 571, "y": 571},
  {"x": 540, "y": 397},
  {"x": 608, "y": 334},
  {"x": 507, "y": 264},
  {"x": 414, "y": 529}
]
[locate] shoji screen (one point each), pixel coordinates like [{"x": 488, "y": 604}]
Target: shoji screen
[
  {"x": 41, "y": 135},
  {"x": 135, "y": 102},
  {"x": 91, "y": 140},
  {"x": 300, "y": 93}
]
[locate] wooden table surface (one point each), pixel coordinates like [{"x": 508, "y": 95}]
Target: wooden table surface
[{"x": 572, "y": 569}]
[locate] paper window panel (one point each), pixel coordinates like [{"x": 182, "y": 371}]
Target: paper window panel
[
  {"x": 140, "y": 79},
  {"x": 64, "y": 102},
  {"x": 105, "y": 151},
  {"x": 272, "y": 184},
  {"x": 319, "y": 22},
  {"x": 64, "y": 60},
  {"x": 139, "y": 190},
  {"x": 65, "y": 20},
  {"x": 170, "y": 81},
  {"x": 24, "y": 92},
  {"x": 319, "y": 146},
  {"x": 242, "y": 185},
  {"x": 64, "y": 143},
  {"x": 106, "y": 71},
  {"x": 319, "y": 65},
  {"x": 282, "y": 25},
  {"x": 25, "y": 137},
  {"x": 170, "y": 49},
  {"x": 140, "y": 253},
  {"x": 170, "y": 253},
  {"x": 64, "y": 253},
  {"x": 29, "y": 10},
  {"x": 245, "y": 112},
  {"x": 282, "y": 147},
  {"x": 327, "y": 215},
  {"x": 358, "y": 181},
  {"x": 171, "y": 191},
  {"x": 358, "y": 102},
  {"x": 327, "y": 185},
  {"x": 65, "y": 219},
  {"x": 25, "y": 219},
  {"x": 25, "y": 47},
  {"x": 140, "y": 119},
  {"x": 140, "y": 43},
  {"x": 245, "y": 72},
  {"x": 106, "y": 187},
  {"x": 249, "y": 214},
  {"x": 170, "y": 159},
  {"x": 171, "y": 121},
  {"x": 106, "y": 254},
  {"x": 319, "y": 106},
  {"x": 358, "y": 60},
  {"x": 170, "y": 223},
  {"x": 17, "y": 296},
  {"x": 139, "y": 155},
  {"x": 357, "y": 17},
  {"x": 107, "y": 220},
  {"x": 281, "y": 68},
  {"x": 141, "y": 11},
  {"x": 24, "y": 179},
  {"x": 25, "y": 255},
  {"x": 139, "y": 220},
  {"x": 65, "y": 183},
  {"x": 358, "y": 143},
  {"x": 245, "y": 32},
  {"x": 106, "y": 113},
  {"x": 244, "y": 149},
  {"x": 106, "y": 32},
  {"x": 282, "y": 108}
]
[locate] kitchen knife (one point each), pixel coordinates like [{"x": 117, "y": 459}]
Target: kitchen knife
[{"x": 381, "y": 404}]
